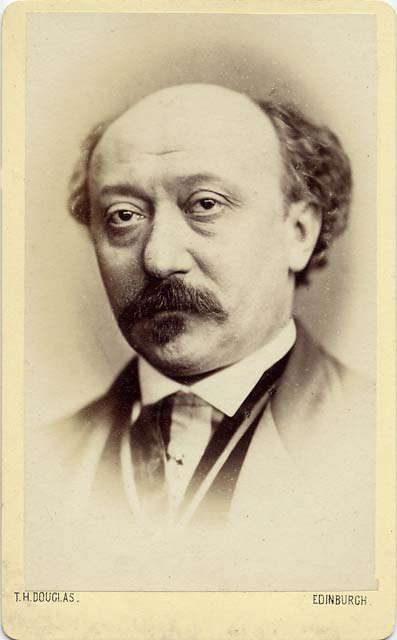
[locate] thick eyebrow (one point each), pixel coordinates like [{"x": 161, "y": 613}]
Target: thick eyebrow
[
  {"x": 123, "y": 189},
  {"x": 229, "y": 189},
  {"x": 192, "y": 180}
]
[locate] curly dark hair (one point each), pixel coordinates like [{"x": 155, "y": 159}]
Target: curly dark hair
[{"x": 317, "y": 171}]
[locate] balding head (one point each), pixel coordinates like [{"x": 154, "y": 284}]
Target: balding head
[
  {"x": 167, "y": 118},
  {"x": 200, "y": 117}
]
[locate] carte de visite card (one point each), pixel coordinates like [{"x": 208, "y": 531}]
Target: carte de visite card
[{"x": 199, "y": 319}]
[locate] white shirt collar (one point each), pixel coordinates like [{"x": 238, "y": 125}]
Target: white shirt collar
[{"x": 226, "y": 389}]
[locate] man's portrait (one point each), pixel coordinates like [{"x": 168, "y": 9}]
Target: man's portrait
[{"x": 201, "y": 322}]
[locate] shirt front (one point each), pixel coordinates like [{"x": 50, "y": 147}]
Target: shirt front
[{"x": 199, "y": 408}]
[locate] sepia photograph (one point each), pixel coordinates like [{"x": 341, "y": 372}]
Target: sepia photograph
[
  {"x": 212, "y": 181},
  {"x": 201, "y": 301}
]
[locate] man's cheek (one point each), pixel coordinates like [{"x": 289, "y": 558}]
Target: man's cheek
[
  {"x": 115, "y": 283},
  {"x": 122, "y": 289}
]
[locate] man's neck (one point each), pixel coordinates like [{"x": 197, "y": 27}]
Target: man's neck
[{"x": 226, "y": 387}]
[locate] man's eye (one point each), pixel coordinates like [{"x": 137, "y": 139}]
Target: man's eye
[
  {"x": 204, "y": 205},
  {"x": 123, "y": 217}
]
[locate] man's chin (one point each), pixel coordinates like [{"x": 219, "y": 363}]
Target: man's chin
[{"x": 168, "y": 342}]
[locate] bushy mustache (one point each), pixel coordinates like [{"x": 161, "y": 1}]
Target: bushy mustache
[{"x": 171, "y": 295}]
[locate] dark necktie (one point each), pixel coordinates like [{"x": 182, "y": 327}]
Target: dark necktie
[{"x": 154, "y": 445}]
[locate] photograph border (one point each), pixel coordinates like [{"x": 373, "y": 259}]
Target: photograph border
[{"x": 205, "y": 614}]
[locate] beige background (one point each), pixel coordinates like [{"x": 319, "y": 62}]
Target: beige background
[
  {"x": 102, "y": 615},
  {"x": 85, "y": 67}
]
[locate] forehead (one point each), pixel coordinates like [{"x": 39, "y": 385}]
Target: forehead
[{"x": 198, "y": 126}]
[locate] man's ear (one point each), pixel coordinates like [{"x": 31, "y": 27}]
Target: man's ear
[{"x": 304, "y": 225}]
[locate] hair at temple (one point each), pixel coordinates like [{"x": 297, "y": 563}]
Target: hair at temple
[{"x": 317, "y": 171}]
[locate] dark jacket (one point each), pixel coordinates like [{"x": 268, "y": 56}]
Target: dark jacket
[{"x": 302, "y": 514}]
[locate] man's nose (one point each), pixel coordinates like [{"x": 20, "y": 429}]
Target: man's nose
[{"x": 166, "y": 250}]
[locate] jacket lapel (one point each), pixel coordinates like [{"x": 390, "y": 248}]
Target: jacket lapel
[
  {"x": 113, "y": 412},
  {"x": 270, "y": 478},
  {"x": 303, "y": 392}
]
